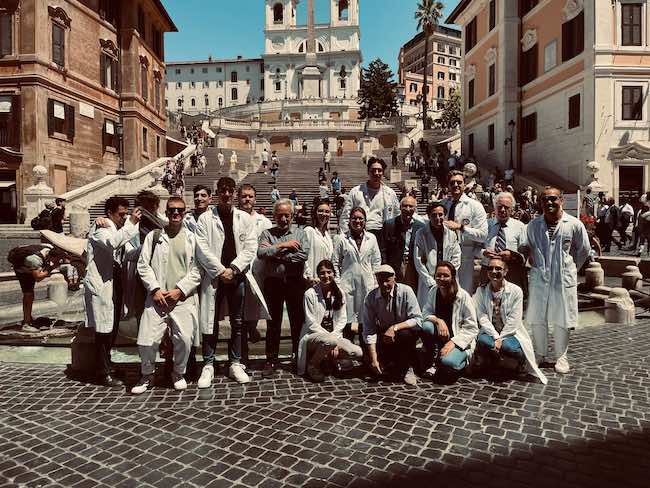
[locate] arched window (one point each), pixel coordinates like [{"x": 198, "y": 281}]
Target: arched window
[
  {"x": 193, "y": 102},
  {"x": 207, "y": 101},
  {"x": 179, "y": 102},
  {"x": 441, "y": 92},
  {"x": 301, "y": 49},
  {"x": 278, "y": 13},
  {"x": 220, "y": 102},
  {"x": 320, "y": 48},
  {"x": 234, "y": 94},
  {"x": 343, "y": 9}
]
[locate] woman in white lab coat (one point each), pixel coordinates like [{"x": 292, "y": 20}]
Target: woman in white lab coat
[
  {"x": 356, "y": 256},
  {"x": 504, "y": 337},
  {"x": 320, "y": 241},
  {"x": 425, "y": 252},
  {"x": 325, "y": 319}
]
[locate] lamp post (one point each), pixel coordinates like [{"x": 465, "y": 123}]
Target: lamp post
[
  {"x": 119, "y": 130},
  {"x": 510, "y": 140},
  {"x": 401, "y": 96}
]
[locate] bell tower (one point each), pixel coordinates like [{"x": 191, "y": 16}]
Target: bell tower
[
  {"x": 280, "y": 14},
  {"x": 344, "y": 12}
]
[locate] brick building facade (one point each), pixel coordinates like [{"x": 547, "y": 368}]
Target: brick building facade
[{"x": 73, "y": 73}]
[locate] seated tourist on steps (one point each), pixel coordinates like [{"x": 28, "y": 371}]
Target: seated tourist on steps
[{"x": 503, "y": 341}]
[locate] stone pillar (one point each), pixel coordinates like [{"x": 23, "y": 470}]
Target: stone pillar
[
  {"x": 79, "y": 221},
  {"x": 366, "y": 146},
  {"x": 620, "y": 307},
  {"x": 403, "y": 141},
  {"x": 631, "y": 279},
  {"x": 594, "y": 275},
  {"x": 38, "y": 195},
  {"x": 222, "y": 141}
]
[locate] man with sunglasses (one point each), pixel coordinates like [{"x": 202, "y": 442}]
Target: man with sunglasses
[
  {"x": 503, "y": 341},
  {"x": 505, "y": 239},
  {"x": 467, "y": 217},
  {"x": 168, "y": 269},
  {"x": 102, "y": 285},
  {"x": 227, "y": 245},
  {"x": 559, "y": 246}
]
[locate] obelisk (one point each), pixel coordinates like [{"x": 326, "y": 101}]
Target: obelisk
[{"x": 311, "y": 75}]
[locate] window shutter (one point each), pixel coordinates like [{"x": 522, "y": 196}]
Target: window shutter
[
  {"x": 5, "y": 34},
  {"x": 102, "y": 69},
  {"x": 104, "y": 135},
  {"x": 16, "y": 117},
  {"x": 58, "y": 45},
  {"x": 69, "y": 120},
  {"x": 50, "y": 117}
]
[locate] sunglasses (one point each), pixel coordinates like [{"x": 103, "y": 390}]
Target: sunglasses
[
  {"x": 551, "y": 198},
  {"x": 495, "y": 268},
  {"x": 359, "y": 219},
  {"x": 456, "y": 183},
  {"x": 173, "y": 211}
]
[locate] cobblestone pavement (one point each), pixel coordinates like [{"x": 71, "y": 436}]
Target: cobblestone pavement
[{"x": 589, "y": 428}]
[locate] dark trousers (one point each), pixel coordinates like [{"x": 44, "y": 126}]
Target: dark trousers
[
  {"x": 104, "y": 342},
  {"x": 277, "y": 292},
  {"x": 234, "y": 293},
  {"x": 400, "y": 353}
]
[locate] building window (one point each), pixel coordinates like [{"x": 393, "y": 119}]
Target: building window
[
  {"x": 574, "y": 111},
  {"x": 491, "y": 137},
  {"x": 144, "y": 82},
  {"x": 204, "y": 70},
  {"x": 206, "y": 100},
  {"x": 529, "y": 128},
  {"x": 441, "y": 75},
  {"x": 343, "y": 83},
  {"x": 206, "y": 84},
  {"x": 470, "y": 144},
  {"x": 528, "y": 66},
  {"x": 234, "y": 94},
  {"x": 108, "y": 11},
  {"x": 157, "y": 42},
  {"x": 157, "y": 146},
  {"x": 452, "y": 62},
  {"x": 452, "y": 50},
  {"x": 177, "y": 71},
  {"x": 550, "y": 55},
  {"x": 218, "y": 70},
  {"x": 179, "y": 85},
  {"x": 632, "y": 103},
  {"x": 631, "y": 24},
  {"x": 470, "y": 94},
  {"x": 278, "y": 13},
  {"x": 278, "y": 86},
  {"x": 60, "y": 119},
  {"x": 441, "y": 48},
  {"x": 441, "y": 60},
  {"x": 233, "y": 77},
  {"x": 441, "y": 92},
  {"x": 108, "y": 75},
  {"x": 573, "y": 37},
  {"x": 179, "y": 103},
  {"x": 10, "y": 112},
  {"x": 141, "y": 22},
  {"x": 343, "y": 10},
  {"x": 526, "y": 6},
  {"x": 413, "y": 88},
  {"x": 109, "y": 136},
  {"x": 166, "y": 103},
  {"x": 6, "y": 20},
  {"x": 157, "y": 92},
  {"x": 191, "y": 71},
  {"x": 145, "y": 140},
  {"x": 470, "y": 35},
  {"x": 493, "y": 14},
  {"x": 220, "y": 102},
  {"x": 492, "y": 79},
  {"x": 193, "y": 102},
  {"x": 452, "y": 76},
  {"x": 192, "y": 84},
  {"x": 58, "y": 45}
]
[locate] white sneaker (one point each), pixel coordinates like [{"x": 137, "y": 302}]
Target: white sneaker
[
  {"x": 180, "y": 384},
  {"x": 207, "y": 374},
  {"x": 142, "y": 385},
  {"x": 237, "y": 373},
  {"x": 410, "y": 378},
  {"x": 562, "y": 365}
]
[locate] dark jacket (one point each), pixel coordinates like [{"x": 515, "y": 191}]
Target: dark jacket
[{"x": 391, "y": 243}]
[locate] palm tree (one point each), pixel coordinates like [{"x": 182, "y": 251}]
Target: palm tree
[{"x": 428, "y": 15}]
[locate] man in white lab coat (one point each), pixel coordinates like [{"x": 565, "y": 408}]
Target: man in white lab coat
[
  {"x": 559, "y": 246},
  {"x": 169, "y": 272},
  {"x": 227, "y": 244},
  {"x": 468, "y": 218},
  {"x": 102, "y": 285}
]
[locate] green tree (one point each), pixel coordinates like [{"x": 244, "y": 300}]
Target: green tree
[
  {"x": 428, "y": 14},
  {"x": 450, "y": 117},
  {"x": 378, "y": 94}
]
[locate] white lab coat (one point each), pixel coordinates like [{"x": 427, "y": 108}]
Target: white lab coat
[
  {"x": 315, "y": 310},
  {"x": 153, "y": 272},
  {"x": 472, "y": 215},
  {"x": 464, "y": 324},
  {"x": 98, "y": 284},
  {"x": 512, "y": 311},
  {"x": 384, "y": 206},
  {"x": 354, "y": 270},
  {"x": 210, "y": 239},
  {"x": 553, "y": 277},
  {"x": 320, "y": 247},
  {"x": 425, "y": 257},
  {"x": 220, "y": 158}
]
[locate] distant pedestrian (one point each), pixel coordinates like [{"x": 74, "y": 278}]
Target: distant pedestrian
[
  {"x": 304, "y": 147},
  {"x": 339, "y": 149},
  {"x": 327, "y": 160}
]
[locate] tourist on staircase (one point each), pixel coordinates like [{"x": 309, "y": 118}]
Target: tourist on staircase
[
  {"x": 233, "y": 161},
  {"x": 378, "y": 200}
]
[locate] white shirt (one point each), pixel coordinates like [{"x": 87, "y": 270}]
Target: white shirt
[
  {"x": 380, "y": 205},
  {"x": 515, "y": 233}
]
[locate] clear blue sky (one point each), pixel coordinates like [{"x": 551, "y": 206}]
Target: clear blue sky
[{"x": 227, "y": 28}]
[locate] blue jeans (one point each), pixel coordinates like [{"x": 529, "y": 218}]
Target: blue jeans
[
  {"x": 234, "y": 293},
  {"x": 456, "y": 359},
  {"x": 509, "y": 345}
]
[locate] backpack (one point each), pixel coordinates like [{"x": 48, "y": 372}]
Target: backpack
[
  {"x": 43, "y": 220},
  {"x": 18, "y": 254},
  {"x": 154, "y": 243}
]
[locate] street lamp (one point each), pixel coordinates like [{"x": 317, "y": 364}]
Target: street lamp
[
  {"x": 119, "y": 130},
  {"x": 510, "y": 140},
  {"x": 401, "y": 96}
]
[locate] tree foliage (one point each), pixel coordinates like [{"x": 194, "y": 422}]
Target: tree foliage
[
  {"x": 450, "y": 117},
  {"x": 378, "y": 94},
  {"x": 428, "y": 14}
]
